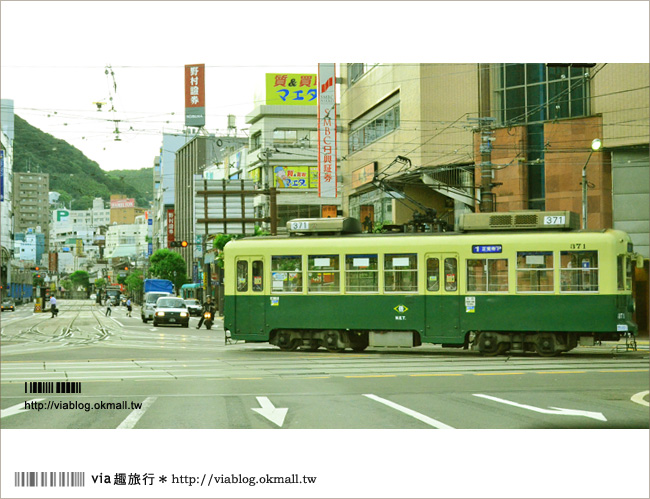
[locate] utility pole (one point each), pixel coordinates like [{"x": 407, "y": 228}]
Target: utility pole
[
  {"x": 487, "y": 137},
  {"x": 485, "y": 125}
]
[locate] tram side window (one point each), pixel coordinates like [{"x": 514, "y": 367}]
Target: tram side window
[
  {"x": 624, "y": 273},
  {"x": 242, "y": 276},
  {"x": 535, "y": 272},
  {"x": 323, "y": 273},
  {"x": 487, "y": 275},
  {"x": 401, "y": 273},
  {"x": 579, "y": 271},
  {"x": 286, "y": 274},
  {"x": 258, "y": 275},
  {"x": 433, "y": 274},
  {"x": 451, "y": 274},
  {"x": 361, "y": 274}
]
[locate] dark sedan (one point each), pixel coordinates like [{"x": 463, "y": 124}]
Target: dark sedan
[
  {"x": 194, "y": 306},
  {"x": 171, "y": 310}
]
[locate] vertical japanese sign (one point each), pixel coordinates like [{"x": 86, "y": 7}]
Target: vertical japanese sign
[
  {"x": 327, "y": 130},
  {"x": 170, "y": 226},
  {"x": 195, "y": 95}
]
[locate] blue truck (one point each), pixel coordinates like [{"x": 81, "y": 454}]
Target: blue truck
[
  {"x": 161, "y": 285},
  {"x": 154, "y": 289}
]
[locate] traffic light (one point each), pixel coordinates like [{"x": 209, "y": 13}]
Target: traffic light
[
  {"x": 178, "y": 244},
  {"x": 126, "y": 268},
  {"x": 36, "y": 268}
]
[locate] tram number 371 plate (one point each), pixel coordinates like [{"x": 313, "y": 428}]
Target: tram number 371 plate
[
  {"x": 554, "y": 220},
  {"x": 299, "y": 225}
]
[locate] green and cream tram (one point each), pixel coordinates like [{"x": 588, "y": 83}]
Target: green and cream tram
[{"x": 540, "y": 289}]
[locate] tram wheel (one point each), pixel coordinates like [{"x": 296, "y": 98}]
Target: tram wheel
[
  {"x": 489, "y": 346},
  {"x": 332, "y": 342},
  {"x": 545, "y": 346},
  {"x": 291, "y": 346}
]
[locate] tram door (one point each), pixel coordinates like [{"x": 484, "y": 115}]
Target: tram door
[
  {"x": 442, "y": 298},
  {"x": 249, "y": 296}
]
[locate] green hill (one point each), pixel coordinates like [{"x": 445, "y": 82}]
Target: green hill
[{"x": 35, "y": 150}]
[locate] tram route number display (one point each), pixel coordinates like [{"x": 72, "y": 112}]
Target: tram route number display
[
  {"x": 554, "y": 220},
  {"x": 299, "y": 225}
]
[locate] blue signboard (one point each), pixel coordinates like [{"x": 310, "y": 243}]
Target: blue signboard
[
  {"x": 149, "y": 249},
  {"x": 487, "y": 248}
]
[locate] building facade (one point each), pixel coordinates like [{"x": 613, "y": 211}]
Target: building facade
[
  {"x": 283, "y": 153},
  {"x": 408, "y": 125},
  {"x": 31, "y": 203}
]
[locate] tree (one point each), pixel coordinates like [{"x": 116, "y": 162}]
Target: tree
[
  {"x": 80, "y": 278},
  {"x": 134, "y": 281},
  {"x": 166, "y": 264},
  {"x": 66, "y": 284},
  {"x": 100, "y": 283}
]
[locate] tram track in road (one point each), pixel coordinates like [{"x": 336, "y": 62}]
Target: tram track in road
[
  {"x": 58, "y": 332},
  {"x": 242, "y": 368}
]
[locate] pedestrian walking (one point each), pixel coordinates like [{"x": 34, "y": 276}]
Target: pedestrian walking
[
  {"x": 53, "y": 306},
  {"x": 129, "y": 308},
  {"x": 108, "y": 308}
]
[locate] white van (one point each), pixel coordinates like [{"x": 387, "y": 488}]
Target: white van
[{"x": 148, "y": 307}]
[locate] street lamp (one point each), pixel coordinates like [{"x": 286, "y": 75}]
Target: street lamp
[{"x": 595, "y": 146}]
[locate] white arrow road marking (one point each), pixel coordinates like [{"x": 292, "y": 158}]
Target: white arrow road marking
[
  {"x": 410, "y": 412},
  {"x": 135, "y": 415},
  {"x": 556, "y": 410},
  {"x": 16, "y": 409},
  {"x": 638, "y": 398},
  {"x": 270, "y": 412}
]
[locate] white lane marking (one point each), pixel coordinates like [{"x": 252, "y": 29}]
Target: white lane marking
[
  {"x": 16, "y": 409},
  {"x": 269, "y": 411},
  {"x": 559, "y": 411},
  {"x": 410, "y": 412},
  {"x": 639, "y": 398},
  {"x": 135, "y": 415}
]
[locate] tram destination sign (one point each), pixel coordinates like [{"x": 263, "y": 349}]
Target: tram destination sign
[{"x": 487, "y": 248}]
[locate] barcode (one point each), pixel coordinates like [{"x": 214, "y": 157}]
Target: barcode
[
  {"x": 49, "y": 386},
  {"x": 50, "y": 479}
]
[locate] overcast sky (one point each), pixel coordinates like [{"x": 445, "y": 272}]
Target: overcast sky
[{"x": 54, "y": 54}]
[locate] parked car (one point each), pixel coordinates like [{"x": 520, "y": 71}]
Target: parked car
[
  {"x": 171, "y": 310},
  {"x": 148, "y": 307},
  {"x": 8, "y": 304},
  {"x": 194, "y": 306}
]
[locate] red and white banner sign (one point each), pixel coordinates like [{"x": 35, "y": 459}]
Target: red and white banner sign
[
  {"x": 327, "y": 130},
  {"x": 123, "y": 203},
  {"x": 170, "y": 226}
]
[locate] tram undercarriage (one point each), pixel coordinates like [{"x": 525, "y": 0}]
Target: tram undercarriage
[{"x": 545, "y": 344}]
